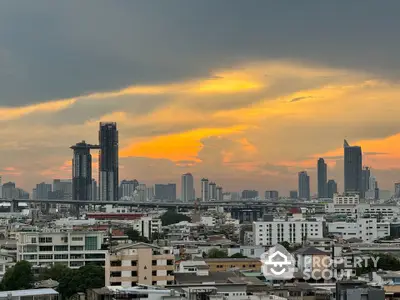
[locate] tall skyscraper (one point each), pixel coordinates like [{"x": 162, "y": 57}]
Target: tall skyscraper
[
  {"x": 304, "y": 186},
  {"x": 42, "y": 190},
  {"x": 332, "y": 188},
  {"x": 108, "y": 162},
  {"x": 220, "y": 194},
  {"x": 81, "y": 171},
  {"x": 94, "y": 190},
  {"x": 322, "y": 178},
  {"x": 187, "y": 189},
  {"x": 127, "y": 188},
  {"x": 165, "y": 191},
  {"x": 293, "y": 195},
  {"x": 204, "y": 190},
  {"x": 63, "y": 185},
  {"x": 352, "y": 168},
  {"x": 365, "y": 174},
  {"x": 212, "y": 190},
  {"x": 397, "y": 190}
]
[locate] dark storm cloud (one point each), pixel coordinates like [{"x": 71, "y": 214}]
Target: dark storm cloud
[
  {"x": 299, "y": 99},
  {"x": 58, "y": 49}
]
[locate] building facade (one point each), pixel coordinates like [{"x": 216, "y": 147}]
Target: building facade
[
  {"x": 322, "y": 178},
  {"x": 204, "y": 190},
  {"x": 187, "y": 188},
  {"x": 352, "y": 168},
  {"x": 304, "y": 186},
  {"x": 165, "y": 191}
]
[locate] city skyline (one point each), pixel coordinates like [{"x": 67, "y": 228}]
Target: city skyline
[{"x": 248, "y": 108}]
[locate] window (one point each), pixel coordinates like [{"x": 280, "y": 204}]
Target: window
[
  {"x": 91, "y": 243},
  {"x": 115, "y": 263},
  {"x": 154, "y": 263},
  {"x": 169, "y": 262},
  {"x": 77, "y": 238},
  {"x": 134, "y": 263},
  {"x": 60, "y": 248},
  {"x": 45, "y": 248},
  {"x": 115, "y": 274},
  {"x": 76, "y": 248},
  {"x": 45, "y": 256},
  {"x": 45, "y": 240},
  {"x": 33, "y": 240},
  {"x": 154, "y": 273},
  {"x": 134, "y": 273},
  {"x": 154, "y": 283},
  {"x": 61, "y": 256}
]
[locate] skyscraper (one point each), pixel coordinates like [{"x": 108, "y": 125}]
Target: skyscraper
[
  {"x": 81, "y": 171},
  {"x": 165, "y": 191},
  {"x": 322, "y": 178},
  {"x": 127, "y": 188},
  {"x": 397, "y": 190},
  {"x": 304, "y": 186},
  {"x": 108, "y": 161},
  {"x": 212, "y": 191},
  {"x": 331, "y": 188},
  {"x": 187, "y": 188},
  {"x": 204, "y": 190},
  {"x": 220, "y": 194},
  {"x": 365, "y": 174},
  {"x": 352, "y": 168}
]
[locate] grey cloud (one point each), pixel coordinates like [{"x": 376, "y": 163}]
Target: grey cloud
[
  {"x": 60, "y": 49},
  {"x": 300, "y": 98}
]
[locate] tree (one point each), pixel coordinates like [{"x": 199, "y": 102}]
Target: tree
[
  {"x": 238, "y": 255},
  {"x": 56, "y": 272},
  {"x": 79, "y": 280},
  {"x": 385, "y": 262},
  {"x": 286, "y": 245},
  {"x": 172, "y": 217},
  {"x": 217, "y": 253},
  {"x": 19, "y": 277},
  {"x": 135, "y": 236}
]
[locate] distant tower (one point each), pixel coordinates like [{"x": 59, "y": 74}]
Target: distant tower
[
  {"x": 204, "y": 190},
  {"x": 365, "y": 175},
  {"x": 352, "y": 168},
  {"x": 212, "y": 191},
  {"x": 220, "y": 194},
  {"x": 304, "y": 186},
  {"x": 82, "y": 171},
  {"x": 332, "y": 188},
  {"x": 108, "y": 162},
  {"x": 187, "y": 188},
  {"x": 322, "y": 178}
]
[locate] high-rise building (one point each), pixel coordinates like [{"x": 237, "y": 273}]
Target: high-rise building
[
  {"x": 212, "y": 190},
  {"x": 165, "y": 191},
  {"x": 9, "y": 190},
  {"x": 1, "y": 187},
  {"x": 249, "y": 194},
  {"x": 322, "y": 178},
  {"x": 352, "y": 168},
  {"x": 365, "y": 175},
  {"x": 304, "y": 186},
  {"x": 141, "y": 192},
  {"x": 127, "y": 188},
  {"x": 108, "y": 162},
  {"x": 64, "y": 185},
  {"x": 293, "y": 195},
  {"x": 332, "y": 188},
  {"x": 187, "y": 188},
  {"x": 204, "y": 190},
  {"x": 150, "y": 193},
  {"x": 94, "y": 190},
  {"x": 42, "y": 190},
  {"x": 220, "y": 194},
  {"x": 397, "y": 190},
  {"x": 81, "y": 171},
  {"x": 271, "y": 195}
]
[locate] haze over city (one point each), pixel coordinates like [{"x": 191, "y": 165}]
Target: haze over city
[{"x": 245, "y": 95}]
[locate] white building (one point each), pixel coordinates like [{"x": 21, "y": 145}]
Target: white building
[
  {"x": 346, "y": 199},
  {"x": 248, "y": 251},
  {"x": 146, "y": 226},
  {"x": 292, "y": 231},
  {"x": 187, "y": 188},
  {"x": 367, "y": 230},
  {"x": 140, "y": 193},
  {"x": 193, "y": 266},
  {"x": 208, "y": 221},
  {"x": 74, "y": 248},
  {"x": 150, "y": 193},
  {"x": 127, "y": 188}
]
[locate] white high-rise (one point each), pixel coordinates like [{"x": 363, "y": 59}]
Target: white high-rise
[
  {"x": 204, "y": 190},
  {"x": 187, "y": 189}
]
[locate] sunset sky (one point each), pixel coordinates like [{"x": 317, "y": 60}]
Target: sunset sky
[{"x": 246, "y": 93}]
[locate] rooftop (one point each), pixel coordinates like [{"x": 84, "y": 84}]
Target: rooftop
[{"x": 25, "y": 293}]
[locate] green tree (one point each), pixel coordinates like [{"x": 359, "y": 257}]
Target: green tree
[
  {"x": 172, "y": 217},
  {"x": 217, "y": 253},
  {"x": 135, "y": 236},
  {"x": 79, "y": 280},
  {"x": 286, "y": 245},
  {"x": 19, "y": 277},
  {"x": 56, "y": 272},
  {"x": 385, "y": 262},
  {"x": 238, "y": 255}
]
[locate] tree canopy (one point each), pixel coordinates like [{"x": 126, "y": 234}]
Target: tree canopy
[
  {"x": 238, "y": 255},
  {"x": 172, "y": 217},
  {"x": 217, "y": 253},
  {"x": 135, "y": 236},
  {"x": 19, "y": 277}
]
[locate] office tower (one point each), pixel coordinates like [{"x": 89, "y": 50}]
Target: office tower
[
  {"x": 1, "y": 187},
  {"x": 220, "y": 194},
  {"x": 9, "y": 190},
  {"x": 42, "y": 190},
  {"x": 332, "y": 188},
  {"x": 352, "y": 168},
  {"x": 82, "y": 171},
  {"x": 108, "y": 162},
  {"x": 249, "y": 194},
  {"x": 34, "y": 195},
  {"x": 304, "y": 186},
  {"x": 65, "y": 186},
  {"x": 150, "y": 193},
  {"x": 365, "y": 175},
  {"x": 165, "y": 191},
  {"x": 140, "y": 192},
  {"x": 187, "y": 187},
  {"x": 293, "y": 195},
  {"x": 212, "y": 191},
  {"x": 271, "y": 195},
  {"x": 322, "y": 178},
  {"x": 94, "y": 190},
  {"x": 397, "y": 190},
  {"x": 204, "y": 190},
  {"x": 127, "y": 188}
]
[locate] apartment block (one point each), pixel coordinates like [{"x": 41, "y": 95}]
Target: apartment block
[
  {"x": 346, "y": 199},
  {"x": 146, "y": 226},
  {"x": 229, "y": 264},
  {"x": 73, "y": 249},
  {"x": 141, "y": 263},
  {"x": 292, "y": 231}
]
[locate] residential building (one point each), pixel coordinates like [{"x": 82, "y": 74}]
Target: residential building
[
  {"x": 292, "y": 231},
  {"x": 304, "y": 186},
  {"x": 72, "y": 248},
  {"x": 331, "y": 188},
  {"x": 133, "y": 264},
  {"x": 165, "y": 191},
  {"x": 146, "y": 226},
  {"x": 127, "y": 188},
  {"x": 366, "y": 174},
  {"x": 42, "y": 190},
  {"x": 248, "y": 251},
  {"x": 150, "y": 193},
  {"x": 204, "y": 190},
  {"x": 358, "y": 290},
  {"x": 187, "y": 188},
  {"x": 212, "y": 189},
  {"x": 271, "y": 195},
  {"x": 397, "y": 190},
  {"x": 249, "y": 194},
  {"x": 137, "y": 292},
  {"x": 64, "y": 185},
  {"x": 364, "y": 229},
  {"x": 43, "y": 294},
  {"x": 9, "y": 190},
  {"x": 95, "y": 195},
  {"x": 352, "y": 168},
  {"x": 229, "y": 264},
  {"x": 108, "y": 162},
  {"x": 141, "y": 192},
  {"x": 220, "y": 193},
  {"x": 346, "y": 199},
  {"x": 293, "y": 195},
  {"x": 322, "y": 176}
]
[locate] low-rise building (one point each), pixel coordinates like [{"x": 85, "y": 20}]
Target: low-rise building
[
  {"x": 229, "y": 264},
  {"x": 367, "y": 230},
  {"x": 133, "y": 264}
]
